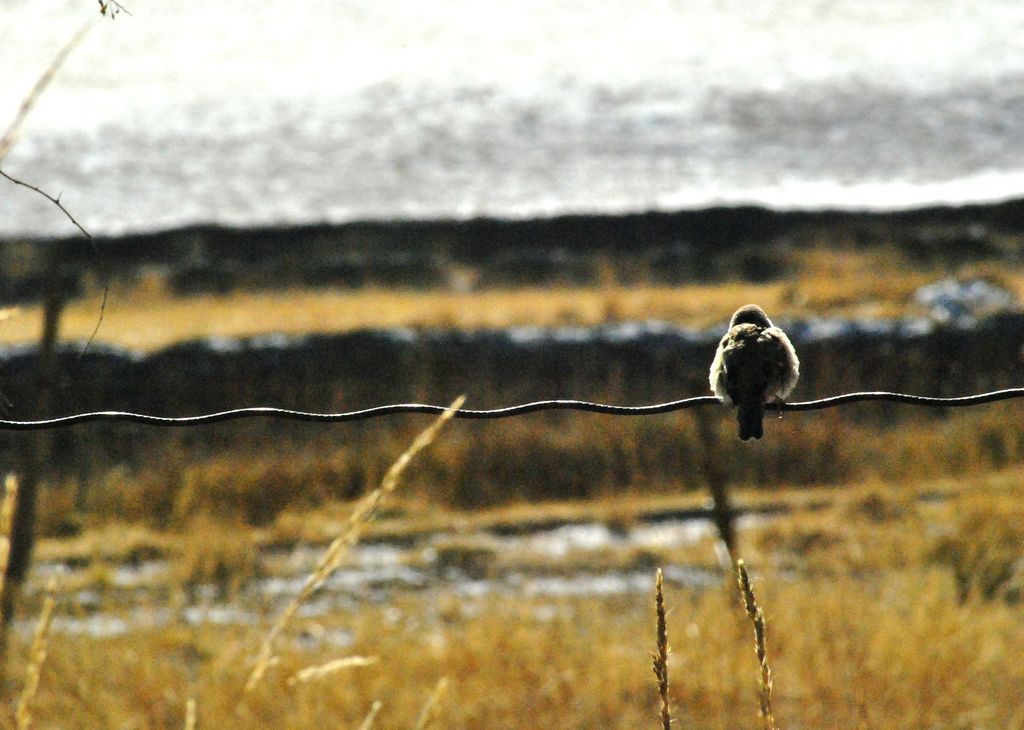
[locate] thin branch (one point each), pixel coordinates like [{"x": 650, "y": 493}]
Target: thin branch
[
  {"x": 10, "y": 136},
  {"x": 92, "y": 243},
  {"x": 55, "y": 201},
  {"x": 113, "y": 8},
  {"x": 494, "y": 413}
]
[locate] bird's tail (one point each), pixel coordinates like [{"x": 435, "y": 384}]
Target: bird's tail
[{"x": 750, "y": 415}]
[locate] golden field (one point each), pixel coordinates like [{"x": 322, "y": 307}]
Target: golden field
[
  {"x": 825, "y": 281},
  {"x": 887, "y": 606},
  {"x": 885, "y": 547}
]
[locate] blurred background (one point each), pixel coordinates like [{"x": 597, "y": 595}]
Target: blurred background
[
  {"x": 354, "y": 205},
  {"x": 250, "y": 116}
]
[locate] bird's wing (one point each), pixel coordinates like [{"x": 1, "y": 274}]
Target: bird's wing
[
  {"x": 786, "y": 363},
  {"x": 718, "y": 373}
]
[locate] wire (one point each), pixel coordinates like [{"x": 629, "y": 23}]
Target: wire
[
  {"x": 914, "y": 400},
  {"x": 495, "y": 413}
]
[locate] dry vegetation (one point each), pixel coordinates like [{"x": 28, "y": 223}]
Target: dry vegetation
[
  {"x": 869, "y": 627},
  {"x": 892, "y": 585},
  {"x": 538, "y": 459},
  {"x": 824, "y": 282}
]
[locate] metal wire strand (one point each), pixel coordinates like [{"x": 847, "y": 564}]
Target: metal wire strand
[{"x": 494, "y": 413}]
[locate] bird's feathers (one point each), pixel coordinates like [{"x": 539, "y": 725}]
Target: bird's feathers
[{"x": 755, "y": 363}]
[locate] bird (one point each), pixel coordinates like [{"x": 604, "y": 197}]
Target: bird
[{"x": 755, "y": 363}]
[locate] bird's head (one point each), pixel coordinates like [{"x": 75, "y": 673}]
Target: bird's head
[{"x": 750, "y": 314}]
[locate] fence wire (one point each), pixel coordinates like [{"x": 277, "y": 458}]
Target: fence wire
[{"x": 495, "y": 413}]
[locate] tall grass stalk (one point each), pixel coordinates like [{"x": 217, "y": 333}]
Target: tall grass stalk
[
  {"x": 756, "y": 615},
  {"x": 190, "y": 714},
  {"x": 37, "y": 655},
  {"x": 660, "y": 657},
  {"x": 322, "y": 670},
  {"x": 6, "y": 520},
  {"x": 371, "y": 716},
  {"x": 430, "y": 709},
  {"x": 330, "y": 561}
]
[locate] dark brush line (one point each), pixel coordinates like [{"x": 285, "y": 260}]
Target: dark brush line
[{"x": 494, "y": 413}]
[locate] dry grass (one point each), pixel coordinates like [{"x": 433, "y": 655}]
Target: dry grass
[
  {"x": 599, "y": 460},
  {"x": 364, "y": 512},
  {"x": 861, "y": 641},
  {"x": 208, "y": 553},
  {"x": 756, "y": 615},
  {"x": 319, "y": 671},
  {"x": 984, "y": 547},
  {"x": 6, "y": 516},
  {"x": 659, "y": 661},
  {"x": 825, "y": 282},
  {"x": 149, "y": 323},
  {"x": 431, "y": 709},
  {"x": 893, "y": 584},
  {"x": 371, "y": 716},
  {"x": 33, "y": 671},
  {"x": 849, "y": 653}
]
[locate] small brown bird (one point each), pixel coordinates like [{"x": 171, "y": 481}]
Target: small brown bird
[{"x": 755, "y": 363}]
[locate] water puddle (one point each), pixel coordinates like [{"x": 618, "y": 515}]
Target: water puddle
[{"x": 463, "y": 565}]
